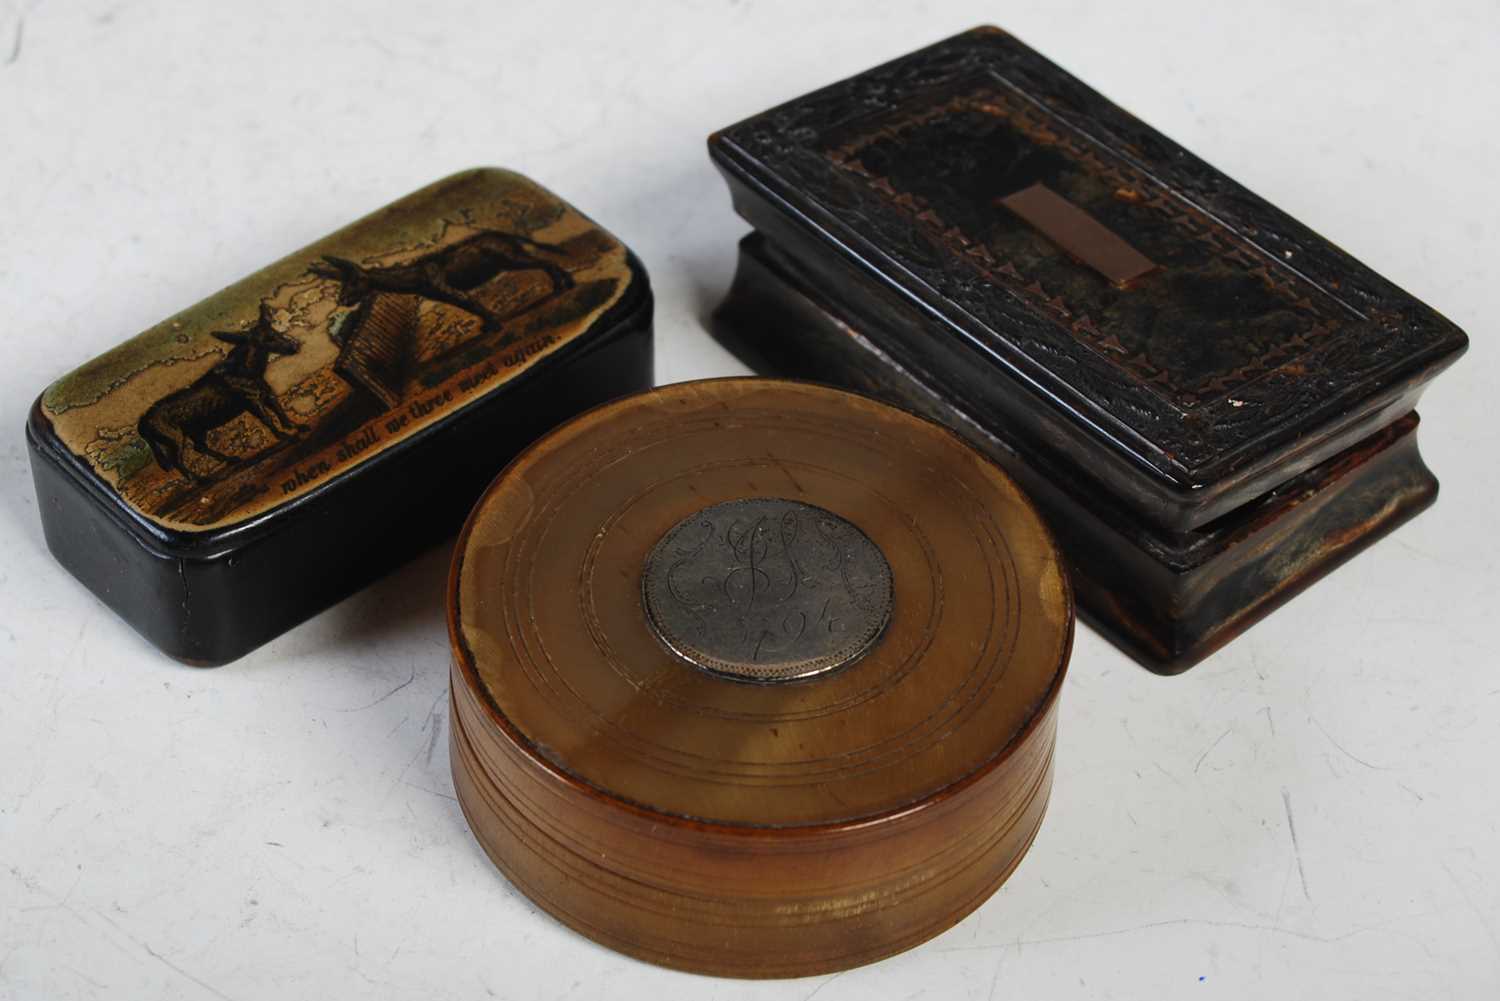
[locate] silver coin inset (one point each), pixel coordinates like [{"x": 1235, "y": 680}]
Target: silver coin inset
[{"x": 766, "y": 589}]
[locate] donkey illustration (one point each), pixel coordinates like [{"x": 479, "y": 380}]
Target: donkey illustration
[
  {"x": 234, "y": 386},
  {"x": 449, "y": 274}
]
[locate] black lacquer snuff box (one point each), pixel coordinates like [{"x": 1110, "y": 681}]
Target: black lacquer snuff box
[{"x": 237, "y": 468}]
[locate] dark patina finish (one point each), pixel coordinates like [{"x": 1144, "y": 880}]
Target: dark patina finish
[
  {"x": 767, "y": 589},
  {"x": 1161, "y": 356}
]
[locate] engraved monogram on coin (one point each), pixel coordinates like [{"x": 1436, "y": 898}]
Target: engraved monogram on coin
[{"x": 766, "y": 589}]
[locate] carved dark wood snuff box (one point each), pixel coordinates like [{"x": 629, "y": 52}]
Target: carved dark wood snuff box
[
  {"x": 1212, "y": 405},
  {"x": 243, "y": 465}
]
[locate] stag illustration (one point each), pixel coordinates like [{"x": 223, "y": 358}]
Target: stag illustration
[
  {"x": 449, "y": 275},
  {"x": 234, "y": 386}
]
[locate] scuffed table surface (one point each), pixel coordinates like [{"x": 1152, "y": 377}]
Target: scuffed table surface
[{"x": 1311, "y": 813}]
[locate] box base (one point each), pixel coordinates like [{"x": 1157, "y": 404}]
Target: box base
[
  {"x": 205, "y": 604},
  {"x": 1167, "y": 599}
]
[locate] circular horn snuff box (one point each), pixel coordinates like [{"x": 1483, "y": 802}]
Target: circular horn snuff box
[{"x": 755, "y": 678}]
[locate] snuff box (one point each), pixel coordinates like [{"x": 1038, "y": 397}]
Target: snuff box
[
  {"x": 755, "y": 678},
  {"x": 1211, "y": 404},
  {"x": 248, "y": 462}
]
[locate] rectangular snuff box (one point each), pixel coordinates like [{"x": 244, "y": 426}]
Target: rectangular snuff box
[
  {"x": 243, "y": 465},
  {"x": 1212, "y": 404}
]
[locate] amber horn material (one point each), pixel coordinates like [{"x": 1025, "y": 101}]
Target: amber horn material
[{"x": 710, "y": 824}]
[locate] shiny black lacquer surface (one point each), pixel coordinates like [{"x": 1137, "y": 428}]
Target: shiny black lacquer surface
[{"x": 186, "y": 593}]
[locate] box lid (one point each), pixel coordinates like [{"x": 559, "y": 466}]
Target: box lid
[
  {"x": 293, "y": 380},
  {"x": 1161, "y": 313}
]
